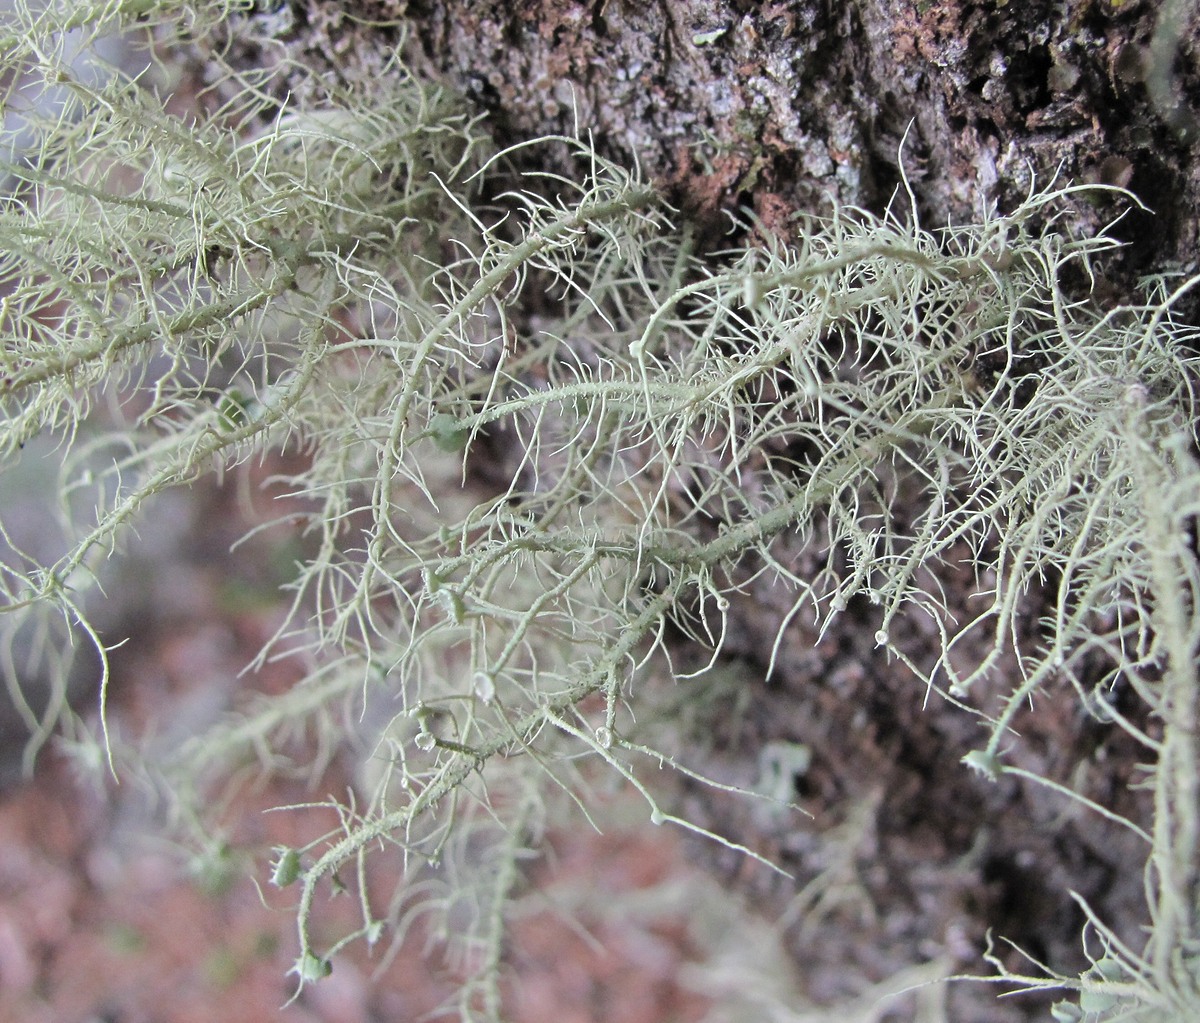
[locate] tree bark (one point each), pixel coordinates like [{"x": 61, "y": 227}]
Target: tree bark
[{"x": 790, "y": 106}]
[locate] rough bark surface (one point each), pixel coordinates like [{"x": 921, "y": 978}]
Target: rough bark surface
[
  {"x": 782, "y": 107},
  {"x": 789, "y": 105}
]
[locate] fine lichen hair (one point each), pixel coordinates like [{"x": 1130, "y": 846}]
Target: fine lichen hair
[{"x": 358, "y": 276}]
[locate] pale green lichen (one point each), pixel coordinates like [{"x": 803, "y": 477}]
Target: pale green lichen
[{"x": 328, "y": 278}]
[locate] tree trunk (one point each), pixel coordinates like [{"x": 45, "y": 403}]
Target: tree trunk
[{"x": 788, "y": 106}]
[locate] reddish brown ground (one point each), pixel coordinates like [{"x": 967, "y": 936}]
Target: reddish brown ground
[{"x": 101, "y": 921}]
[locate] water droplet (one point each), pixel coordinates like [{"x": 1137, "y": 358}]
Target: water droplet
[
  {"x": 425, "y": 741},
  {"x": 604, "y": 737}
]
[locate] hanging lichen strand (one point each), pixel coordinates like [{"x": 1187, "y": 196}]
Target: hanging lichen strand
[{"x": 327, "y": 276}]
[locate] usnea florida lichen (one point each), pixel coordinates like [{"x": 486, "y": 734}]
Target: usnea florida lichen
[{"x": 362, "y": 277}]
